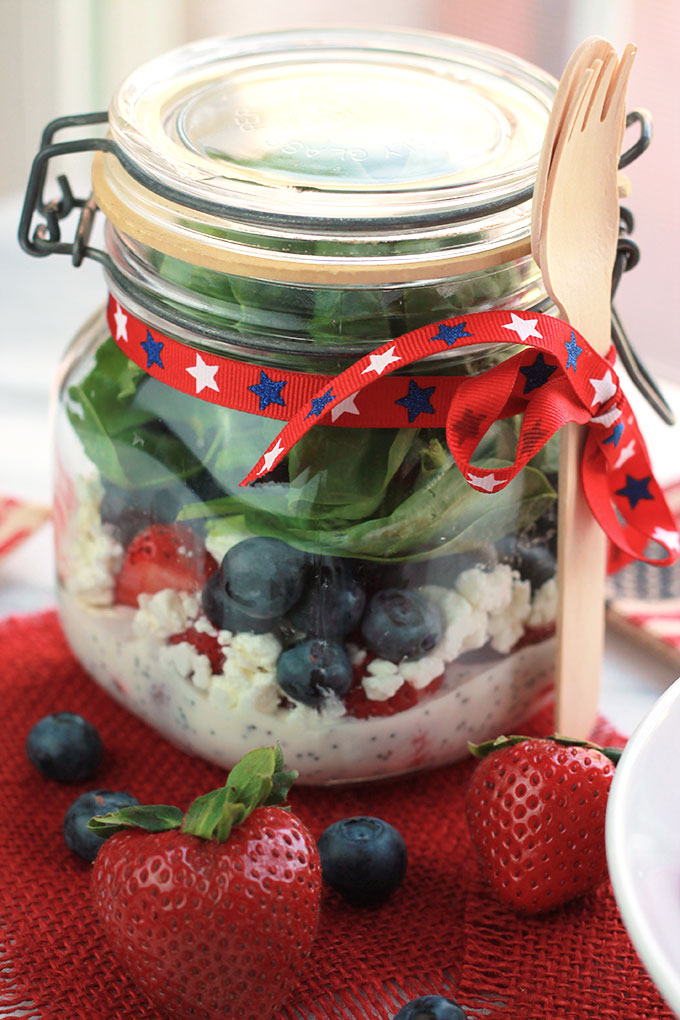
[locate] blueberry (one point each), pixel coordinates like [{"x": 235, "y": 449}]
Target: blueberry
[
  {"x": 263, "y": 576},
  {"x": 310, "y": 671},
  {"x": 363, "y": 858},
  {"x": 130, "y": 511},
  {"x": 333, "y": 603},
  {"x": 534, "y": 563},
  {"x": 400, "y": 624},
  {"x": 64, "y": 746},
  {"x": 430, "y": 1007},
  {"x": 224, "y": 614},
  {"x": 78, "y": 837}
]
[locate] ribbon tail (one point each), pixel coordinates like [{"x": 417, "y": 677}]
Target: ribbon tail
[{"x": 631, "y": 529}]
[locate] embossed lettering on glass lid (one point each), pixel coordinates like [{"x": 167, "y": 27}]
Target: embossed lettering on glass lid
[{"x": 415, "y": 118}]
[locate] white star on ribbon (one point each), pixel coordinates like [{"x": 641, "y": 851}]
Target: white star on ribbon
[
  {"x": 121, "y": 323},
  {"x": 626, "y": 453},
  {"x": 379, "y": 362},
  {"x": 604, "y": 388},
  {"x": 486, "y": 482},
  {"x": 609, "y": 418},
  {"x": 204, "y": 375},
  {"x": 271, "y": 457},
  {"x": 668, "y": 538},
  {"x": 524, "y": 328},
  {"x": 346, "y": 406}
]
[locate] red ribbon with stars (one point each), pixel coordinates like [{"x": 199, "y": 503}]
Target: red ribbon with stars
[{"x": 555, "y": 379}]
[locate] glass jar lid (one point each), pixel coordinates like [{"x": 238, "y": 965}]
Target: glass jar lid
[{"x": 378, "y": 142}]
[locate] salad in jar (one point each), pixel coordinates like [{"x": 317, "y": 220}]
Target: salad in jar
[
  {"x": 292, "y": 201},
  {"x": 361, "y": 603}
]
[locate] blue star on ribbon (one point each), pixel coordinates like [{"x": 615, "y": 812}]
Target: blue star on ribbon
[
  {"x": 615, "y": 436},
  {"x": 537, "y": 373},
  {"x": 635, "y": 489},
  {"x": 449, "y": 334},
  {"x": 269, "y": 391},
  {"x": 417, "y": 400},
  {"x": 153, "y": 350},
  {"x": 318, "y": 403},
  {"x": 573, "y": 350}
]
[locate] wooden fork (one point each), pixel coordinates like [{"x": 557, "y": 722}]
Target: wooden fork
[{"x": 575, "y": 248}]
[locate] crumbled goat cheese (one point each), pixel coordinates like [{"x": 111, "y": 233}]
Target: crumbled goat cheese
[
  {"x": 506, "y": 627},
  {"x": 382, "y": 686},
  {"x": 189, "y": 664},
  {"x": 465, "y": 626},
  {"x": 356, "y": 654},
  {"x": 382, "y": 667},
  {"x": 165, "y": 613},
  {"x": 251, "y": 660},
  {"x": 544, "y": 605},
  {"x": 488, "y": 590},
  {"x": 95, "y": 557},
  {"x": 204, "y": 626},
  {"x": 423, "y": 671}
]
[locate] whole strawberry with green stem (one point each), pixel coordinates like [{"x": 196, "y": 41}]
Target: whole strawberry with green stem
[
  {"x": 212, "y": 912},
  {"x": 536, "y": 814}
]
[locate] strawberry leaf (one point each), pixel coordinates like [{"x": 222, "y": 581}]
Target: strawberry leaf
[
  {"x": 151, "y": 817},
  {"x": 281, "y": 780},
  {"x": 232, "y": 814},
  {"x": 213, "y": 816},
  {"x": 204, "y": 813},
  {"x": 250, "y": 780}
]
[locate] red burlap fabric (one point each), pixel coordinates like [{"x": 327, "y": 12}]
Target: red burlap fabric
[{"x": 440, "y": 932}]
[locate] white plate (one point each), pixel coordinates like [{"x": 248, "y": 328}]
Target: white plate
[{"x": 643, "y": 842}]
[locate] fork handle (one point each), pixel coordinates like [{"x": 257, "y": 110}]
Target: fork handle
[{"x": 581, "y": 566}]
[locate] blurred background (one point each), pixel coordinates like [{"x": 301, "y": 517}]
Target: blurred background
[{"x": 67, "y": 56}]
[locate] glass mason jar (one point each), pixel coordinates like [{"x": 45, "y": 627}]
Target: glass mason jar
[{"x": 289, "y": 202}]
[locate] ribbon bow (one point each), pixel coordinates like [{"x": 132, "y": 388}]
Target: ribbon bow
[{"x": 557, "y": 378}]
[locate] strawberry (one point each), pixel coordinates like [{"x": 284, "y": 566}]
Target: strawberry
[
  {"x": 163, "y": 556},
  {"x": 213, "y": 912},
  {"x": 536, "y": 810},
  {"x": 205, "y": 644}
]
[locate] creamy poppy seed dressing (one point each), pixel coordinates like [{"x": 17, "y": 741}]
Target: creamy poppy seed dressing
[{"x": 217, "y": 708}]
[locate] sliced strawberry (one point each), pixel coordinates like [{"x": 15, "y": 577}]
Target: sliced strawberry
[
  {"x": 363, "y": 707},
  {"x": 534, "y": 636},
  {"x": 163, "y": 556},
  {"x": 205, "y": 644}
]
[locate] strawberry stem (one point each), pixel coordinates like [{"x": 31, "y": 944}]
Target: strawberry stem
[
  {"x": 258, "y": 779},
  {"x": 488, "y": 747}
]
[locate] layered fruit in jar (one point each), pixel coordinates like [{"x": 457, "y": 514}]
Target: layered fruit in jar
[{"x": 362, "y": 604}]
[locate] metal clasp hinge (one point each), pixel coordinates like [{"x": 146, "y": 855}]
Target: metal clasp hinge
[{"x": 46, "y": 238}]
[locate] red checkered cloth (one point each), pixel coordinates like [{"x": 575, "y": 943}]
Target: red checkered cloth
[
  {"x": 440, "y": 932},
  {"x": 18, "y": 521}
]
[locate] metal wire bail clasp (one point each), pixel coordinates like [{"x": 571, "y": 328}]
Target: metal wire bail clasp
[{"x": 46, "y": 237}]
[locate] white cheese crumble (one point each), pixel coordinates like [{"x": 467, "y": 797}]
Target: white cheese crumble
[
  {"x": 356, "y": 654},
  {"x": 423, "y": 671},
  {"x": 164, "y": 613},
  {"x": 251, "y": 660},
  {"x": 489, "y": 590},
  {"x": 382, "y": 686},
  {"x": 187, "y": 663},
  {"x": 544, "y": 605},
  {"x": 507, "y": 626},
  {"x": 95, "y": 557}
]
